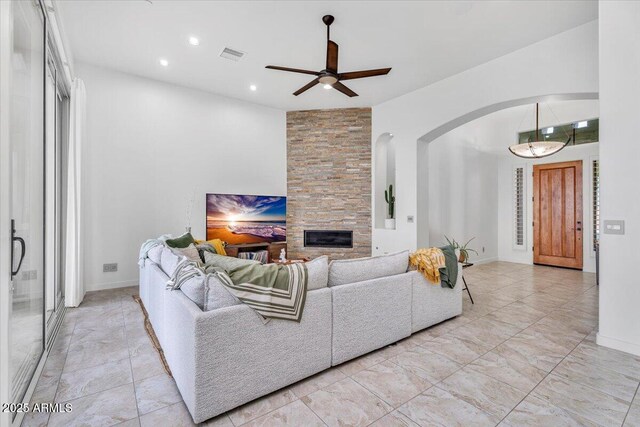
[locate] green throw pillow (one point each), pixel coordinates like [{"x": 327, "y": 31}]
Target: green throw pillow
[{"x": 181, "y": 242}]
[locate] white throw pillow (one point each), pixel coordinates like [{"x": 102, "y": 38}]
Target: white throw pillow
[
  {"x": 155, "y": 254},
  {"x": 318, "y": 273},
  {"x": 169, "y": 261},
  {"x": 191, "y": 252},
  {"x": 216, "y": 295},
  {"x": 193, "y": 288}
]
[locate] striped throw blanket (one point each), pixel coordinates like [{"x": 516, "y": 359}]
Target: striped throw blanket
[
  {"x": 184, "y": 271},
  {"x": 273, "y": 291},
  {"x": 276, "y": 296}
]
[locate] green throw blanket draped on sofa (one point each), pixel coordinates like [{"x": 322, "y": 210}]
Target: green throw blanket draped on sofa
[{"x": 274, "y": 291}]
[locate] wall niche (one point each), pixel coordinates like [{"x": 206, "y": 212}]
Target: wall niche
[{"x": 384, "y": 175}]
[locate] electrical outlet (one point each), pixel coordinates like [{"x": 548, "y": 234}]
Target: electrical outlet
[{"x": 110, "y": 268}]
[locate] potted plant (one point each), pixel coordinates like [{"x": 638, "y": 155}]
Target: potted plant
[
  {"x": 390, "y": 222},
  {"x": 464, "y": 249}
]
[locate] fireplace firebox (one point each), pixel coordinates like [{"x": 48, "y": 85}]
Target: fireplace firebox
[{"x": 328, "y": 238}]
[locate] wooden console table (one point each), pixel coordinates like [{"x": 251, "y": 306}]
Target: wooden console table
[{"x": 273, "y": 249}]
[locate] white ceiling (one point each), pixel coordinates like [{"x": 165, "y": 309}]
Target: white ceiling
[{"x": 423, "y": 41}]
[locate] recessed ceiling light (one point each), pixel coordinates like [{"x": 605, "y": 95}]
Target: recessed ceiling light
[
  {"x": 164, "y": 62},
  {"x": 327, "y": 86},
  {"x": 253, "y": 88},
  {"x": 193, "y": 41}
]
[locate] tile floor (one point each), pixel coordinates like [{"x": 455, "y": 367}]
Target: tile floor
[{"x": 524, "y": 354}]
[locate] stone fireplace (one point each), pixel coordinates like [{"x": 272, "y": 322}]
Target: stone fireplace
[{"x": 329, "y": 180}]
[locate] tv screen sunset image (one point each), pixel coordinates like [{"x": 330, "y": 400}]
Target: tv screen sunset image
[{"x": 238, "y": 219}]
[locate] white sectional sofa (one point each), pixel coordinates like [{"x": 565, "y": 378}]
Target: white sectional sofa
[{"x": 223, "y": 358}]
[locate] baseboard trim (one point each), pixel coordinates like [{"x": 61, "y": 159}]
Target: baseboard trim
[
  {"x": 617, "y": 344},
  {"x": 111, "y": 285},
  {"x": 485, "y": 260}
]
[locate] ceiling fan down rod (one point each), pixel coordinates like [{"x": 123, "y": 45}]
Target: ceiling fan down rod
[{"x": 328, "y": 20}]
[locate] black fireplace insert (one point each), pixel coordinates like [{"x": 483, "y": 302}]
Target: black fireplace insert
[{"x": 328, "y": 238}]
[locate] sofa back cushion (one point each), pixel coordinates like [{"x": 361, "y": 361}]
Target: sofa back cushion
[
  {"x": 318, "y": 273},
  {"x": 216, "y": 295},
  {"x": 190, "y": 252},
  {"x": 358, "y": 270},
  {"x": 169, "y": 261},
  {"x": 155, "y": 254},
  {"x": 193, "y": 288}
]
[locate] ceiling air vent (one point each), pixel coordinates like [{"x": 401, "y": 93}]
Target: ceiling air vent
[{"x": 232, "y": 54}]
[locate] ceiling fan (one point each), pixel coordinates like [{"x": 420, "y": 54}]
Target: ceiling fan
[{"x": 330, "y": 76}]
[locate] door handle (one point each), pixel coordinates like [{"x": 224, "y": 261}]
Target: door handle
[{"x": 23, "y": 249}]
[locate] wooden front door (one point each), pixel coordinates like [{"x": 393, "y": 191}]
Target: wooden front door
[{"x": 557, "y": 214}]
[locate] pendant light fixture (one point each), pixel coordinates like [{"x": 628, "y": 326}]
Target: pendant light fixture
[{"x": 537, "y": 149}]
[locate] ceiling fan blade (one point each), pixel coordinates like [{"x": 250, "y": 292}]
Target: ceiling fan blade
[
  {"x": 366, "y": 73},
  {"x": 292, "y": 70},
  {"x": 332, "y": 56},
  {"x": 342, "y": 88},
  {"x": 308, "y": 86}
]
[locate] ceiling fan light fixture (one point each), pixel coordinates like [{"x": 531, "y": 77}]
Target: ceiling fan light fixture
[
  {"x": 328, "y": 80},
  {"x": 327, "y": 86}
]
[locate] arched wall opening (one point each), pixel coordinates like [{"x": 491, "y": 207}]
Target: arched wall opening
[
  {"x": 489, "y": 109},
  {"x": 463, "y": 178}
]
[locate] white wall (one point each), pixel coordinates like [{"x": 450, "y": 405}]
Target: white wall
[
  {"x": 463, "y": 196},
  {"x": 619, "y": 131},
  {"x": 151, "y": 147},
  {"x": 522, "y": 74}
]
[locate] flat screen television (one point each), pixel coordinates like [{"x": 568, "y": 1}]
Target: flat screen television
[{"x": 238, "y": 219}]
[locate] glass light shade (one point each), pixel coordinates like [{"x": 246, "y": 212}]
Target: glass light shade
[
  {"x": 536, "y": 150},
  {"x": 328, "y": 79}
]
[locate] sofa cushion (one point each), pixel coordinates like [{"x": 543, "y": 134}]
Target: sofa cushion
[
  {"x": 216, "y": 294},
  {"x": 358, "y": 270},
  {"x": 191, "y": 252},
  {"x": 318, "y": 273},
  {"x": 181, "y": 242},
  {"x": 169, "y": 261},
  {"x": 193, "y": 288},
  {"x": 155, "y": 253}
]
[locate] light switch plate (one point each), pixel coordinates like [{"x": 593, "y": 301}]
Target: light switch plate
[
  {"x": 611, "y": 226},
  {"x": 410, "y": 219}
]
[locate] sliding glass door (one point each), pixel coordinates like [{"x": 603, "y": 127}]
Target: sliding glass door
[
  {"x": 56, "y": 119},
  {"x": 27, "y": 187}
]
